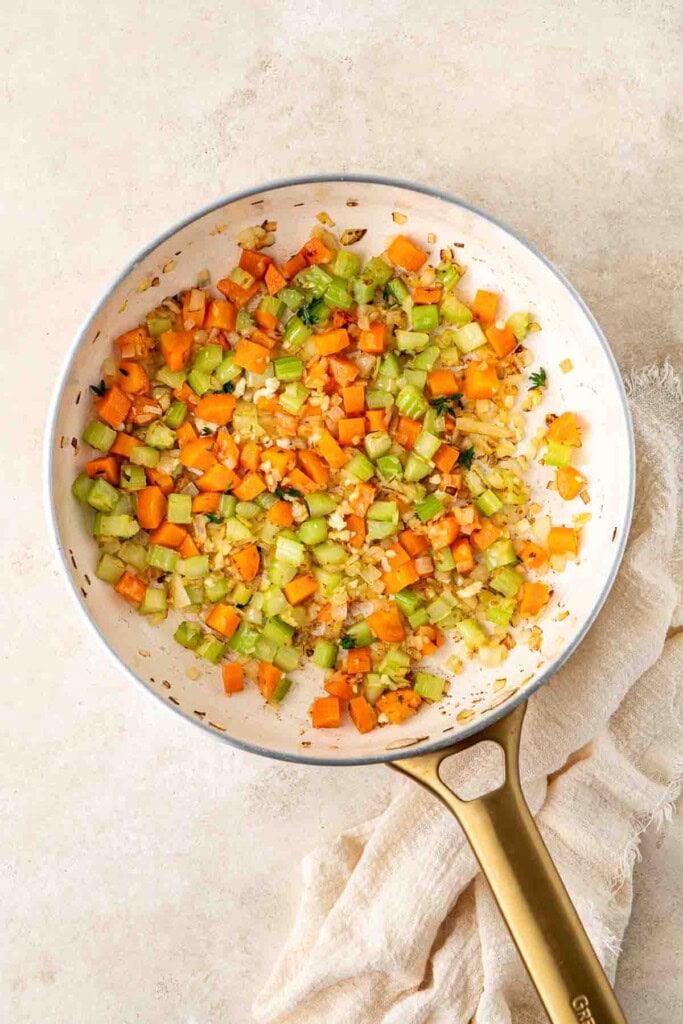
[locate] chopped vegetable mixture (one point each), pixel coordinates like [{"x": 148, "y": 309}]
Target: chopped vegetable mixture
[{"x": 321, "y": 461}]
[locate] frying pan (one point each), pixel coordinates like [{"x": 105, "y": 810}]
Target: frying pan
[{"x": 483, "y": 703}]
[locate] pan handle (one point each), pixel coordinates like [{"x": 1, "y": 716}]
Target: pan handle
[{"x": 526, "y": 886}]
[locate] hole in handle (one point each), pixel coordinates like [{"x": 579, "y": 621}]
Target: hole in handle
[{"x": 473, "y": 773}]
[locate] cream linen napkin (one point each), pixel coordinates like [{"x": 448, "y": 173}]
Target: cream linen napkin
[{"x": 395, "y": 924}]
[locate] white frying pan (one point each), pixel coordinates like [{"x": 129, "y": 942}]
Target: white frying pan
[{"x": 482, "y": 703}]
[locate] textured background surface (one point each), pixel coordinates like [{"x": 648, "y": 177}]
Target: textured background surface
[{"x": 147, "y": 873}]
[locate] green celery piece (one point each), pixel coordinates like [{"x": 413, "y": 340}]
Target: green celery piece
[
  {"x": 291, "y": 552},
  {"x": 227, "y": 506},
  {"x": 360, "y": 635},
  {"x": 390, "y": 467},
  {"x": 345, "y": 264},
  {"x": 394, "y": 663},
  {"x": 444, "y": 560},
  {"x": 179, "y": 509},
  {"x": 160, "y": 557},
  {"x": 557, "y": 454},
  {"x": 110, "y": 568},
  {"x": 448, "y": 274},
  {"x": 313, "y": 531},
  {"x": 506, "y": 581},
  {"x": 237, "y": 532},
  {"x": 454, "y": 312},
  {"x": 241, "y": 595},
  {"x": 500, "y": 610},
  {"x": 266, "y": 500},
  {"x": 244, "y": 639},
  {"x": 411, "y": 341},
  {"x": 470, "y": 337},
  {"x": 195, "y": 567},
  {"x": 377, "y": 398},
  {"x": 424, "y": 318},
  {"x": 374, "y": 686},
  {"x": 242, "y": 277},
  {"x": 380, "y": 531},
  {"x": 154, "y": 602},
  {"x": 427, "y": 359},
  {"x": 157, "y": 325},
  {"x": 188, "y": 634},
  {"x": 360, "y": 467},
  {"x": 143, "y": 455},
  {"x": 281, "y": 573},
  {"x": 433, "y": 423},
  {"x": 377, "y": 443},
  {"x": 329, "y": 553},
  {"x": 329, "y": 582},
  {"x": 117, "y": 526},
  {"x": 102, "y": 496},
  {"x": 320, "y": 504},
  {"x": 314, "y": 280},
  {"x": 244, "y": 322},
  {"x": 416, "y": 468},
  {"x": 293, "y": 397},
  {"x": 411, "y": 402},
  {"x": 472, "y": 633},
  {"x": 134, "y": 555},
  {"x": 175, "y": 416},
  {"x": 124, "y": 506},
  {"x": 325, "y": 654},
  {"x": 199, "y": 382},
  {"x": 384, "y": 512},
  {"x": 500, "y": 553},
  {"x": 408, "y": 601},
  {"x": 390, "y": 366},
  {"x": 211, "y": 648},
  {"x": 293, "y": 298},
  {"x": 171, "y": 378},
  {"x": 208, "y": 358},
  {"x": 437, "y": 610},
  {"x": 82, "y": 486},
  {"x": 195, "y": 591},
  {"x": 159, "y": 436},
  {"x": 274, "y": 602},
  {"x": 289, "y": 368},
  {"x": 286, "y": 658},
  {"x": 488, "y": 503},
  {"x": 99, "y": 435},
  {"x": 427, "y": 445},
  {"x": 397, "y": 288},
  {"x": 226, "y": 371},
  {"x": 429, "y": 686},
  {"x": 278, "y": 631},
  {"x": 420, "y": 617},
  {"x": 281, "y": 690},
  {"x": 337, "y": 295},
  {"x": 378, "y": 271},
  {"x": 363, "y": 290},
  {"x": 265, "y": 649},
  {"x": 519, "y": 324},
  {"x": 417, "y": 378},
  {"x": 272, "y": 304},
  {"x": 215, "y": 589},
  {"x": 247, "y": 509}
]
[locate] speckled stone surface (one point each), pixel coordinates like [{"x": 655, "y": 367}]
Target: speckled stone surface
[{"x": 148, "y": 873}]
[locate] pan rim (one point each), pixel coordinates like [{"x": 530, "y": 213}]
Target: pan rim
[{"x": 417, "y": 748}]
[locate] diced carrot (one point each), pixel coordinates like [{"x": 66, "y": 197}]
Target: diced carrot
[
  {"x": 281, "y": 513},
  {"x": 358, "y": 660},
  {"x": 250, "y": 487},
  {"x": 462, "y": 556},
  {"x": 396, "y": 555},
  {"x": 247, "y": 561},
  {"x": 292, "y": 267},
  {"x": 481, "y": 381},
  {"x": 216, "y": 408},
  {"x": 286, "y": 424},
  {"x": 487, "y": 533},
  {"x": 134, "y": 344},
  {"x": 425, "y": 296},
  {"x": 233, "y": 676},
  {"x": 407, "y": 432},
  {"x": 314, "y": 251},
  {"x": 185, "y": 394},
  {"x": 533, "y": 555},
  {"x": 485, "y": 305},
  {"x": 565, "y": 430},
  {"x": 335, "y": 456},
  {"x": 196, "y": 298},
  {"x": 133, "y": 378},
  {"x": 353, "y": 397},
  {"x": 275, "y": 280},
  {"x": 401, "y": 577},
  {"x": 326, "y": 713},
  {"x": 357, "y": 529},
  {"x": 255, "y": 263},
  {"x": 197, "y": 454},
  {"x": 169, "y": 535},
  {"x": 446, "y": 457},
  {"x": 268, "y": 678},
  {"x": 220, "y": 314},
  {"x": 206, "y": 503},
  {"x": 342, "y": 317},
  {"x": 533, "y": 597},
  {"x": 415, "y": 544},
  {"x": 131, "y": 587},
  {"x": 301, "y": 482},
  {"x": 185, "y": 433},
  {"x": 343, "y": 370},
  {"x": 339, "y": 686},
  {"x": 373, "y": 340},
  {"x": 124, "y": 445},
  {"x": 268, "y": 341},
  {"x": 442, "y": 532},
  {"x": 329, "y": 342},
  {"x": 176, "y": 347},
  {"x": 251, "y": 356},
  {"x": 467, "y": 518},
  {"x": 313, "y": 466},
  {"x": 363, "y": 715},
  {"x": 143, "y": 410},
  {"x": 225, "y": 449},
  {"x": 442, "y": 382},
  {"x": 268, "y": 321},
  {"x": 113, "y": 407},
  {"x": 188, "y": 549},
  {"x": 223, "y": 619},
  {"x": 106, "y": 467},
  {"x": 238, "y": 295},
  {"x": 351, "y": 431},
  {"x": 217, "y": 478},
  {"x": 250, "y": 456},
  {"x": 501, "y": 340},
  {"x": 404, "y": 253},
  {"x": 569, "y": 482},
  {"x": 162, "y": 480},
  {"x": 562, "y": 540},
  {"x": 398, "y": 705},
  {"x": 378, "y": 419},
  {"x": 279, "y": 462},
  {"x": 362, "y": 497},
  {"x": 151, "y": 507},
  {"x": 300, "y": 589},
  {"x": 387, "y": 625}
]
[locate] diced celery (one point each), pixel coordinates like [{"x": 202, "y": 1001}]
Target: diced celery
[
  {"x": 377, "y": 443},
  {"x": 417, "y": 378},
  {"x": 293, "y": 298},
  {"x": 99, "y": 435},
  {"x": 438, "y": 609},
  {"x": 449, "y": 274},
  {"x": 325, "y": 654},
  {"x": 195, "y": 567},
  {"x": 247, "y": 509},
  {"x": 242, "y": 277},
  {"x": 433, "y": 422},
  {"x": 244, "y": 322},
  {"x": 211, "y": 648},
  {"x": 110, "y": 568},
  {"x": 397, "y": 288},
  {"x": 289, "y": 368},
  {"x": 519, "y": 324},
  {"x": 313, "y": 531},
  {"x": 427, "y": 445},
  {"x": 444, "y": 560},
  {"x": 227, "y": 506},
  {"x": 208, "y": 358},
  {"x": 330, "y": 553},
  {"x": 291, "y": 552},
  {"x": 287, "y": 659},
  {"x": 266, "y": 500},
  {"x": 360, "y": 466},
  {"x": 376, "y": 398},
  {"x": 374, "y": 686},
  {"x": 424, "y": 318},
  {"x": 394, "y": 663},
  {"x": 82, "y": 486},
  {"x": 380, "y": 531},
  {"x": 469, "y": 337},
  {"x": 363, "y": 290},
  {"x": 411, "y": 402},
  {"x": 117, "y": 526},
  {"x": 390, "y": 366},
  {"x": 281, "y": 573},
  {"x": 159, "y": 436},
  {"x": 420, "y": 617},
  {"x": 240, "y": 595},
  {"x": 506, "y": 581},
  {"x": 265, "y": 649},
  {"x": 314, "y": 280},
  {"x": 244, "y": 639},
  {"x": 337, "y": 295},
  {"x": 500, "y": 553},
  {"x": 378, "y": 271},
  {"x": 278, "y": 631},
  {"x": 329, "y": 582},
  {"x": 384, "y": 512},
  {"x": 274, "y": 602},
  {"x": 199, "y": 382},
  {"x": 124, "y": 506},
  {"x": 282, "y": 688},
  {"x": 171, "y": 378},
  {"x": 160, "y": 557},
  {"x": 488, "y": 503},
  {"x": 157, "y": 325},
  {"x": 360, "y": 635},
  {"x": 178, "y": 594},
  {"x": 102, "y": 495},
  {"x": 319, "y": 311},
  {"x": 237, "y": 532},
  {"x": 272, "y": 304},
  {"x": 345, "y": 264},
  {"x": 427, "y": 359},
  {"x": 416, "y": 468},
  {"x": 227, "y": 371},
  {"x": 472, "y": 633},
  {"x": 453, "y": 311},
  {"x": 293, "y": 398},
  {"x": 500, "y": 610},
  {"x": 175, "y": 417},
  {"x": 408, "y": 601},
  {"x": 428, "y": 686},
  {"x": 320, "y": 504},
  {"x": 142, "y": 455},
  {"x": 188, "y": 634},
  {"x": 557, "y": 454},
  {"x": 134, "y": 554},
  {"x": 390, "y": 467},
  {"x": 474, "y": 483},
  {"x": 411, "y": 341},
  {"x": 179, "y": 508},
  {"x": 195, "y": 591},
  {"x": 215, "y": 589},
  {"x": 154, "y": 602}
]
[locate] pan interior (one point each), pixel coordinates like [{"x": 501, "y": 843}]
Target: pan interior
[{"x": 582, "y": 377}]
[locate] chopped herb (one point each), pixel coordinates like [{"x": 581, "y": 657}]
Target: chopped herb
[
  {"x": 447, "y": 405},
  {"x": 538, "y": 380},
  {"x": 389, "y": 299},
  {"x": 124, "y": 372},
  {"x": 305, "y": 314},
  {"x": 213, "y": 518},
  {"x": 98, "y": 389},
  {"x": 465, "y": 457},
  {"x": 287, "y": 492},
  {"x": 347, "y": 642},
  {"x": 228, "y": 387},
  {"x": 206, "y": 431}
]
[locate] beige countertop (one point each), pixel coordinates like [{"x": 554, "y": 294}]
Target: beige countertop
[{"x": 147, "y": 872}]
